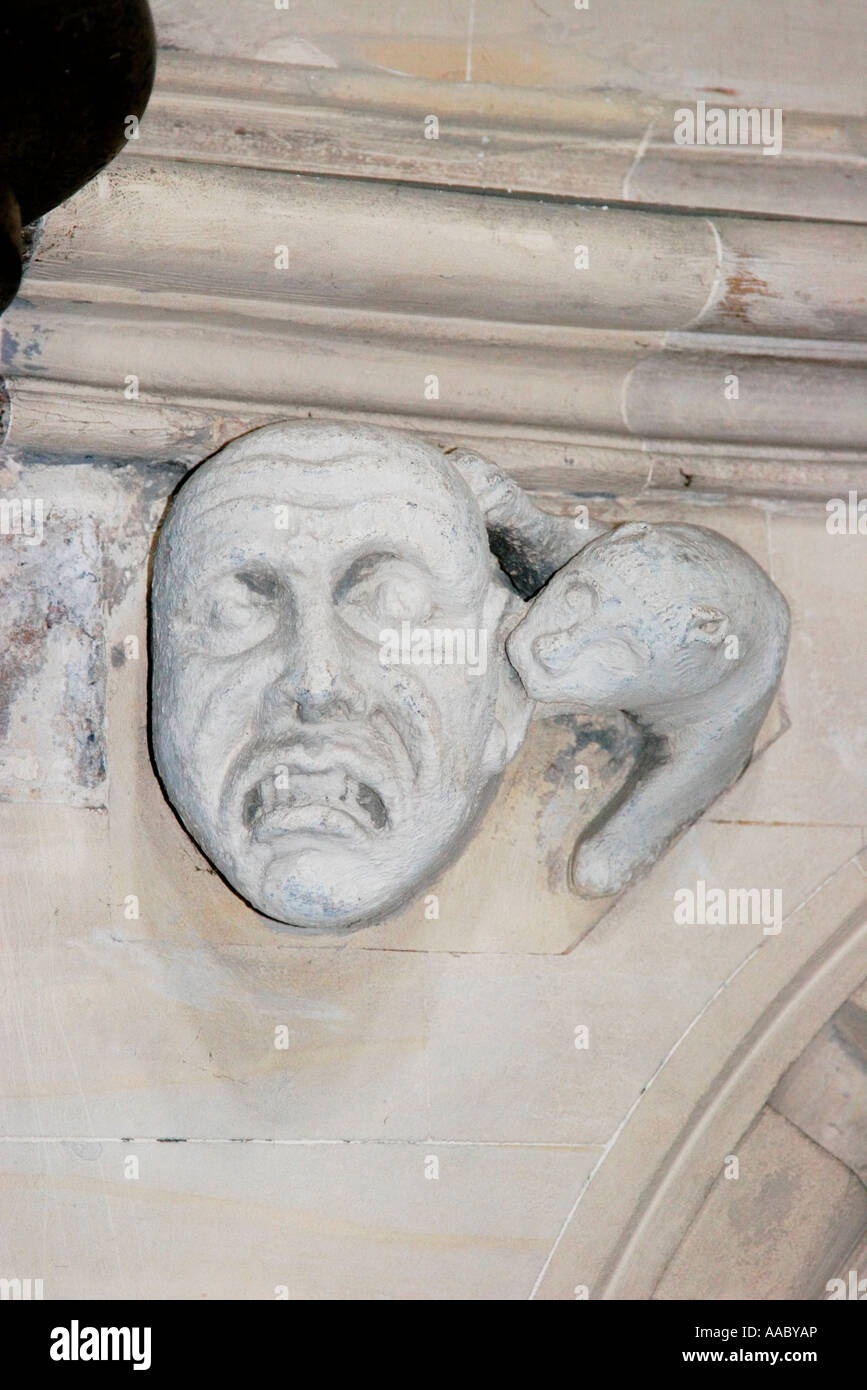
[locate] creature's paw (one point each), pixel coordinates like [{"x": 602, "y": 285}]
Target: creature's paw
[
  {"x": 600, "y": 867},
  {"x": 494, "y": 491}
]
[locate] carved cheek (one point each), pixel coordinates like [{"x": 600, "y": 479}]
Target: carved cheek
[{"x": 211, "y": 707}]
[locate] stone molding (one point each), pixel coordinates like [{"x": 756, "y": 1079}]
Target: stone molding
[{"x": 164, "y": 270}]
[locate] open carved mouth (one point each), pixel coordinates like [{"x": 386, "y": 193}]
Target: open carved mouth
[{"x": 332, "y": 802}]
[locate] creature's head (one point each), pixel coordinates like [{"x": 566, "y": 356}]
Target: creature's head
[{"x": 643, "y": 615}]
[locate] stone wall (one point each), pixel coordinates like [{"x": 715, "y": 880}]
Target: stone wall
[{"x": 522, "y": 1094}]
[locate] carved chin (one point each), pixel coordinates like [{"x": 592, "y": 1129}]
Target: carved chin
[
  {"x": 325, "y": 888},
  {"x": 319, "y": 867}
]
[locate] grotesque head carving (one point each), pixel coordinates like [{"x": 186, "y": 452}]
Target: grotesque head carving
[{"x": 325, "y": 754}]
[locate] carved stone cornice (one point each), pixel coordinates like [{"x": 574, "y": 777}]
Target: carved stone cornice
[
  {"x": 164, "y": 278},
  {"x": 604, "y": 145}
]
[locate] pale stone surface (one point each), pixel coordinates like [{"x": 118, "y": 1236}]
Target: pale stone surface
[
  {"x": 254, "y": 305},
  {"x": 244, "y": 1221},
  {"x": 162, "y": 1025},
  {"x": 44, "y": 841},
  {"x": 626, "y": 1223},
  {"x": 328, "y": 780},
  {"x": 687, "y": 635},
  {"x": 776, "y": 53},
  {"x": 777, "y": 1231},
  {"x": 181, "y": 1038},
  {"x": 65, "y": 562},
  {"x": 326, "y": 766},
  {"x": 110, "y": 1038},
  {"x": 821, "y": 778},
  {"x": 584, "y": 143},
  {"x": 251, "y": 306},
  {"x": 52, "y": 672},
  {"x": 153, "y": 859},
  {"x": 636, "y": 953}
]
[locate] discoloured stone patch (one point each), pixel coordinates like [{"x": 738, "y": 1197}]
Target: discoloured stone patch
[
  {"x": 52, "y": 664},
  {"x": 742, "y": 287}
]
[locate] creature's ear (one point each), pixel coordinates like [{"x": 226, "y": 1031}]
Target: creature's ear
[
  {"x": 628, "y": 530},
  {"x": 708, "y": 625},
  {"x": 513, "y": 705}
]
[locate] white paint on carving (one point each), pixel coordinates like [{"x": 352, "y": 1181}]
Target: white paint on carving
[
  {"x": 470, "y": 26},
  {"x": 639, "y": 155},
  {"x": 300, "y": 52}
]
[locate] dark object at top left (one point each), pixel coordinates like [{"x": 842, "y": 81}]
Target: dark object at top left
[{"x": 74, "y": 70}]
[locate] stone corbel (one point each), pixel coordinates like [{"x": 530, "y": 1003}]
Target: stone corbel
[{"x": 351, "y": 631}]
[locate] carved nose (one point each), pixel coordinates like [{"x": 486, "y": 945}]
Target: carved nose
[
  {"x": 320, "y": 691},
  {"x": 316, "y": 678},
  {"x": 322, "y": 702}
]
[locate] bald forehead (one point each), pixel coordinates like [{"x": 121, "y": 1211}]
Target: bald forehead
[
  {"x": 320, "y": 463},
  {"x": 346, "y": 489},
  {"x": 333, "y": 482}
]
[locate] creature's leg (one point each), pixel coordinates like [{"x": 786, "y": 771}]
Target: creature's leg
[
  {"x": 668, "y": 798},
  {"x": 529, "y": 543}
]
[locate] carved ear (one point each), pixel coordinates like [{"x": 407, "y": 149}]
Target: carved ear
[{"x": 708, "y": 625}]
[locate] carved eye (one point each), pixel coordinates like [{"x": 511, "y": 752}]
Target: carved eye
[
  {"x": 708, "y": 625},
  {"x": 264, "y": 584},
  {"x": 580, "y": 599},
  {"x": 236, "y": 613},
  {"x": 382, "y": 591}
]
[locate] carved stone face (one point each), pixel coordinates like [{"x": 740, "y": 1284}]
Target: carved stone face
[
  {"x": 326, "y": 784},
  {"x": 641, "y": 613}
]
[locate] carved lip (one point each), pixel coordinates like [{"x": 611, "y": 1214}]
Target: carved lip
[
  {"x": 314, "y": 817},
  {"x": 296, "y": 797},
  {"x": 356, "y": 775}
]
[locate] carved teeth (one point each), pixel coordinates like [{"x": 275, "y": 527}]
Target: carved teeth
[
  {"x": 252, "y": 806},
  {"x": 372, "y": 805},
  {"x": 268, "y": 793},
  {"x": 333, "y": 786}
]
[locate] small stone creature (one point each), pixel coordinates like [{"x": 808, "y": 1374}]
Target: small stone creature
[{"x": 678, "y": 628}]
